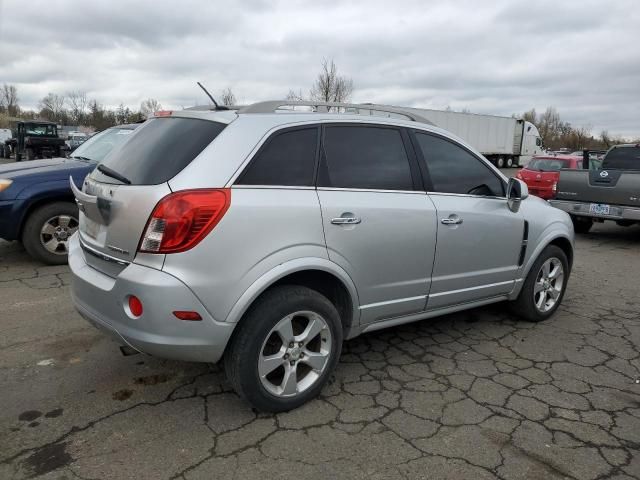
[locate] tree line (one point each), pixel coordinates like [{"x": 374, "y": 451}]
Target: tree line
[{"x": 556, "y": 133}]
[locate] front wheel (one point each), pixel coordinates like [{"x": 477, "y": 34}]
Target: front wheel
[
  {"x": 285, "y": 348},
  {"x": 47, "y": 230},
  {"x": 544, "y": 286}
]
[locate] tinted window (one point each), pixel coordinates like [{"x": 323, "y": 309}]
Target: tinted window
[
  {"x": 366, "y": 157},
  {"x": 159, "y": 149},
  {"x": 622, "y": 158},
  {"x": 453, "y": 169},
  {"x": 287, "y": 159}
]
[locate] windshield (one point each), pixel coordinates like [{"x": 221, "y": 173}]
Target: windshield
[
  {"x": 98, "y": 146},
  {"x": 548, "y": 164},
  {"x": 41, "y": 130},
  {"x": 622, "y": 158}
]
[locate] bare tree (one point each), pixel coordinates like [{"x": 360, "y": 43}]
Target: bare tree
[
  {"x": 9, "y": 99},
  {"x": 52, "y": 107},
  {"x": 331, "y": 87},
  {"x": 78, "y": 103},
  {"x": 228, "y": 98},
  {"x": 149, "y": 107},
  {"x": 294, "y": 96},
  {"x": 605, "y": 138},
  {"x": 581, "y": 135},
  {"x": 530, "y": 116}
]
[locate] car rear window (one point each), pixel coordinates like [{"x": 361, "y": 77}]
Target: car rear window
[
  {"x": 548, "y": 164},
  {"x": 622, "y": 158},
  {"x": 159, "y": 149}
]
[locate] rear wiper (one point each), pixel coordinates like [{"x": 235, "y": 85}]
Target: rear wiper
[
  {"x": 87, "y": 159},
  {"x": 113, "y": 174}
]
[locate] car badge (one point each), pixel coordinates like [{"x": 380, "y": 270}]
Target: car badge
[
  {"x": 604, "y": 174},
  {"x": 538, "y": 177}
]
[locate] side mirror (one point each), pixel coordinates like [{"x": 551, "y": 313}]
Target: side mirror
[{"x": 517, "y": 191}]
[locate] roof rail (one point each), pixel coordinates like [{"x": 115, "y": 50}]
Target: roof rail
[{"x": 273, "y": 105}]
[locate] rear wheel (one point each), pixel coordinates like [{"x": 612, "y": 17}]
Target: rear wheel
[
  {"x": 47, "y": 230},
  {"x": 500, "y": 162},
  {"x": 544, "y": 286},
  {"x": 285, "y": 348},
  {"x": 581, "y": 224},
  {"x": 509, "y": 162}
]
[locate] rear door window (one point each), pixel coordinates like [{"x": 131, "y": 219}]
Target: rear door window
[
  {"x": 365, "y": 158},
  {"x": 287, "y": 158},
  {"x": 158, "y": 150}
]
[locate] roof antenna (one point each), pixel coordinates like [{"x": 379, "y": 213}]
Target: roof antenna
[{"x": 218, "y": 107}]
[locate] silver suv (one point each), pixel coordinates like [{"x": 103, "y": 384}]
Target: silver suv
[{"x": 267, "y": 236}]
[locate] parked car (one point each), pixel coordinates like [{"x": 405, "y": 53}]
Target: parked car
[
  {"x": 36, "y": 203},
  {"x": 5, "y": 134},
  {"x": 611, "y": 192},
  {"x": 75, "y": 139},
  {"x": 541, "y": 174},
  {"x": 267, "y": 237},
  {"x": 34, "y": 139}
]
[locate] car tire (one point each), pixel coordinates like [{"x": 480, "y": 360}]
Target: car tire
[
  {"x": 259, "y": 354},
  {"x": 581, "y": 224},
  {"x": 544, "y": 288},
  {"x": 47, "y": 227}
]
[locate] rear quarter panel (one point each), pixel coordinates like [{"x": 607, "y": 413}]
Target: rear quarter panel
[{"x": 263, "y": 228}]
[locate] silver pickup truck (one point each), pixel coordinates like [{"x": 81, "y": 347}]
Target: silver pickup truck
[{"x": 611, "y": 192}]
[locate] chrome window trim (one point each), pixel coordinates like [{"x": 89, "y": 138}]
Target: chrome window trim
[
  {"x": 272, "y": 187},
  {"x": 372, "y": 190},
  {"x": 492, "y": 197}
]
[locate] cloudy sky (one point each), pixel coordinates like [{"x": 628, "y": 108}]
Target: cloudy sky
[{"x": 499, "y": 57}]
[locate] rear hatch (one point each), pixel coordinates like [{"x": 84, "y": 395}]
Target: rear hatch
[{"x": 118, "y": 197}]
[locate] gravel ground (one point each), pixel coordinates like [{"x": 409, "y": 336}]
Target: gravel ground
[{"x": 478, "y": 395}]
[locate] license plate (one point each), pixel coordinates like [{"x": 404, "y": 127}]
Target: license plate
[
  {"x": 91, "y": 228},
  {"x": 599, "y": 209}
]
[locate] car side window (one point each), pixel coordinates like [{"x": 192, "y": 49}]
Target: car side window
[
  {"x": 452, "y": 169},
  {"x": 366, "y": 157},
  {"x": 287, "y": 158}
]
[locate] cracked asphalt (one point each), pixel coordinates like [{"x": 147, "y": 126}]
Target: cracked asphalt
[{"x": 477, "y": 395}]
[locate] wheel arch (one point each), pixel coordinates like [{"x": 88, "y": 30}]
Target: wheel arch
[
  {"x": 319, "y": 274},
  {"x": 40, "y": 202}
]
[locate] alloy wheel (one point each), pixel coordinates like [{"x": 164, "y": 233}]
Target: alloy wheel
[
  {"x": 55, "y": 233},
  {"x": 295, "y": 354},
  {"x": 549, "y": 285}
]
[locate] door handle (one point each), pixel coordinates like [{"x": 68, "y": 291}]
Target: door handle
[
  {"x": 452, "y": 220},
  {"x": 346, "y": 220}
]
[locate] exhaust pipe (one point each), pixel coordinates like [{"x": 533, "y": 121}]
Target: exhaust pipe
[{"x": 127, "y": 351}]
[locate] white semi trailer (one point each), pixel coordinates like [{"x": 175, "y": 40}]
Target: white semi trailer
[{"x": 505, "y": 141}]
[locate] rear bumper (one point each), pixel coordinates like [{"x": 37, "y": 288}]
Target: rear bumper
[
  {"x": 100, "y": 299},
  {"x": 581, "y": 209}
]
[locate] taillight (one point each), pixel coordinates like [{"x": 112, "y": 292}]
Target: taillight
[
  {"x": 182, "y": 219},
  {"x": 519, "y": 175},
  {"x": 554, "y": 187}
]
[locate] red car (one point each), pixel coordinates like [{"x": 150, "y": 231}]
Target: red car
[{"x": 542, "y": 172}]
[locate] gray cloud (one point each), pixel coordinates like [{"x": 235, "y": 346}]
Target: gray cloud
[{"x": 502, "y": 58}]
